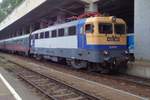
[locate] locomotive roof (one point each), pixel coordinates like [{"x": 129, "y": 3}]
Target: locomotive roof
[{"x": 90, "y": 19}]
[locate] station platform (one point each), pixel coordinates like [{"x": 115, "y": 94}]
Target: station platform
[
  {"x": 13, "y": 89},
  {"x": 139, "y": 68},
  {"x": 5, "y": 93}
]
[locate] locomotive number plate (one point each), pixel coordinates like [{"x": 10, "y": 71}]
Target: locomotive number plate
[{"x": 113, "y": 38}]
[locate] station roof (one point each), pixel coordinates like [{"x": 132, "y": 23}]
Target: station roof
[
  {"x": 43, "y": 9},
  {"x": 51, "y": 8}
]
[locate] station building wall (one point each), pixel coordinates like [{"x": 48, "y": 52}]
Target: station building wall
[{"x": 142, "y": 29}]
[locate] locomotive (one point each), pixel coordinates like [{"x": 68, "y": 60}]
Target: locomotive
[{"x": 97, "y": 43}]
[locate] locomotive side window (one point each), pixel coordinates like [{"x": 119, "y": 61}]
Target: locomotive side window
[
  {"x": 61, "y": 32},
  {"x": 54, "y": 33},
  {"x": 89, "y": 28},
  {"x": 47, "y": 34},
  {"x": 120, "y": 28},
  {"x": 41, "y": 35},
  {"x": 105, "y": 28},
  {"x": 36, "y": 36},
  {"x": 72, "y": 30}
]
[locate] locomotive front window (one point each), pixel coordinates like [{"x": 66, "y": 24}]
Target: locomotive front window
[
  {"x": 120, "y": 28},
  {"x": 105, "y": 28},
  {"x": 89, "y": 28}
]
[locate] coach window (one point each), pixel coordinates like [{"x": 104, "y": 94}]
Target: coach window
[
  {"x": 54, "y": 33},
  {"x": 89, "y": 28},
  {"x": 72, "y": 30},
  {"x": 47, "y": 34},
  {"x": 61, "y": 32},
  {"x": 36, "y": 36},
  {"x": 41, "y": 35}
]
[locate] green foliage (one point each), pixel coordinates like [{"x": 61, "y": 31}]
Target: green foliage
[{"x": 7, "y": 6}]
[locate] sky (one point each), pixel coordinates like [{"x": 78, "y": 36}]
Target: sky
[{"x": 1, "y": 1}]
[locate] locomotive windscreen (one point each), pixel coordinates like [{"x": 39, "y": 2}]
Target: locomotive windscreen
[
  {"x": 105, "y": 28},
  {"x": 119, "y": 28}
]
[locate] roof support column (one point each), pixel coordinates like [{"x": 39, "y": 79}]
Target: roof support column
[
  {"x": 31, "y": 28},
  {"x": 43, "y": 23},
  {"x": 18, "y": 33},
  {"x": 23, "y": 31},
  {"x": 142, "y": 29},
  {"x": 91, "y": 7},
  {"x": 60, "y": 17}
]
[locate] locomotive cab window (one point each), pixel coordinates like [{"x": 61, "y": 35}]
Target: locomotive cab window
[
  {"x": 89, "y": 28},
  {"x": 54, "y": 33},
  {"x": 72, "y": 30},
  {"x": 61, "y": 32},
  {"x": 105, "y": 28},
  {"x": 120, "y": 29}
]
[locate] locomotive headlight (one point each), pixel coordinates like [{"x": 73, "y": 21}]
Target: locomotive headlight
[
  {"x": 106, "y": 53},
  {"x": 114, "y": 19},
  {"x": 126, "y": 52}
]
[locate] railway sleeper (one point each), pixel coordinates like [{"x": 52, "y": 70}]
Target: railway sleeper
[
  {"x": 76, "y": 98},
  {"x": 64, "y": 95}
]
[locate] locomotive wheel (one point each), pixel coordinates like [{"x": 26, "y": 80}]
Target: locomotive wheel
[
  {"x": 78, "y": 64},
  {"x": 93, "y": 67},
  {"x": 121, "y": 68}
]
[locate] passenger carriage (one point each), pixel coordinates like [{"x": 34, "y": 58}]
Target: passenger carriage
[{"x": 18, "y": 44}]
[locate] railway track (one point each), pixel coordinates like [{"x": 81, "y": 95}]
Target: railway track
[
  {"x": 132, "y": 79},
  {"x": 121, "y": 77},
  {"x": 50, "y": 87},
  {"x": 119, "y": 80}
]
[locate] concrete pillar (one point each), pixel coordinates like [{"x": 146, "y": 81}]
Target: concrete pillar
[
  {"x": 91, "y": 7},
  {"x": 36, "y": 26},
  {"x": 60, "y": 17},
  {"x": 23, "y": 31},
  {"x": 10, "y": 35},
  {"x": 142, "y": 29},
  {"x": 50, "y": 22},
  {"x": 31, "y": 28},
  {"x": 17, "y": 34},
  {"x": 43, "y": 23}
]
